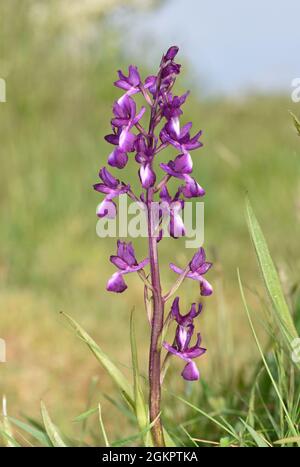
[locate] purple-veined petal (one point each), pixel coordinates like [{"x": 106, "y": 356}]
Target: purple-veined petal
[
  {"x": 118, "y": 158},
  {"x": 139, "y": 266},
  {"x": 126, "y": 252},
  {"x": 175, "y": 310},
  {"x": 122, "y": 84},
  {"x": 183, "y": 163},
  {"x": 192, "y": 189},
  {"x": 134, "y": 76},
  {"x": 171, "y": 52},
  {"x": 112, "y": 139},
  {"x": 183, "y": 337},
  {"x": 116, "y": 283},
  {"x": 106, "y": 209},
  {"x": 194, "y": 312},
  {"x": 185, "y": 130},
  {"x": 150, "y": 83},
  {"x": 108, "y": 178},
  {"x": 164, "y": 195},
  {"x": 176, "y": 226},
  {"x": 174, "y": 351},
  {"x": 101, "y": 188},
  {"x": 204, "y": 268},
  {"x": 118, "y": 262},
  {"x": 174, "y": 125},
  {"x": 198, "y": 259},
  {"x": 176, "y": 268},
  {"x": 168, "y": 170},
  {"x": 190, "y": 372},
  {"x": 205, "y": 288},
  {"x": 147, "y": 176},
  {"x": 138, "y": 116},
  {"x": 171, "y": 349},
  {"x": 126, "y": 140}
]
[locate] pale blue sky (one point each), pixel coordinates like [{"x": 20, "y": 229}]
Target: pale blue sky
[{"x": 233, "y": 45}]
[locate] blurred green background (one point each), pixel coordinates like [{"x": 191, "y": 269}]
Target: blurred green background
[{"x": 59, "y": 60}]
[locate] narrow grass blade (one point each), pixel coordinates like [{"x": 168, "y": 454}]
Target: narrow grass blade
[
  {"x": 296, "y": 122},
  {"x": 85, "y": 415},
  {"x": 6, "y": 427},
  {"x": 291, "y": 425},
  {"x": 9, "y": 441},
  {"x": 293, "y": 439},
  {"x": 102, "y": 427},
  {"x": 103, "y": 358},
  {"x": 140, "y": 435},
  {"x": 260, "y": 441},
  {"x": 51, "y": 429},
  {"x": 209, "y": 417},
  {"x": 189, "y": 436},
  {"x": 271, "y": 279},
  {"x": 169, "y": 442},
  {"x": 31, "y": 430}
]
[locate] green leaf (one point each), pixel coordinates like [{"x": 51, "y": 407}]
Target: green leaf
[
  {"x": 209, "y": 417},
  {"x": 260, "y": 441},
  {"x": 125, "y": 441},
  {"x": 225, "y": 442},
  {"x": 10, "y": 442},
  {"x": 296, "y": 122},
  {"x": 6, "y": 428},
  {"x": 292, "y": 439},
  {"x": 271, "y": 279},
  {"x": 84, "y": 415},
  {"x": 51, "y": 429},
  {"x": 102, "y": 427},
  {"x": 140, "y": 406},
  {"x": 284, "y": 408},
  {"x": 169, "y": 442},
  {"x": 103, "y": 358},
  {"x": 31, "y": 430}
]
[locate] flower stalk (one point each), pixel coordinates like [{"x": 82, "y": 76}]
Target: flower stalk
[{"x": 156, "y": 331}]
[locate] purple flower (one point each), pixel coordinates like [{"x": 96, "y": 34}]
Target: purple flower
[
  {"x": 112, "y": 188},
  {"x": 145, "y": 141},
  {"x": 198, "y": 267},
  {"x": 191, "y": 189},
  {"x": 168, "y": 71},
  {"x": 185, "y": 320},
  {"x": 180, "y": 168},
  {"x": 181, "y": 346},
  {"x": 172, "y": 107},
  {"x": 129, "y": 83},
  {"x": 126, "y": 262},
  {"x": 172, "y": 208},
  {"x": 125, "y": 113},
  {"x": 180, "y": 137}
]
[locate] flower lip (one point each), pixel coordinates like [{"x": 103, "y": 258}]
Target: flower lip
[
  {"x": 126, "y": 262},
  {"x": 116, "y": 283}
]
